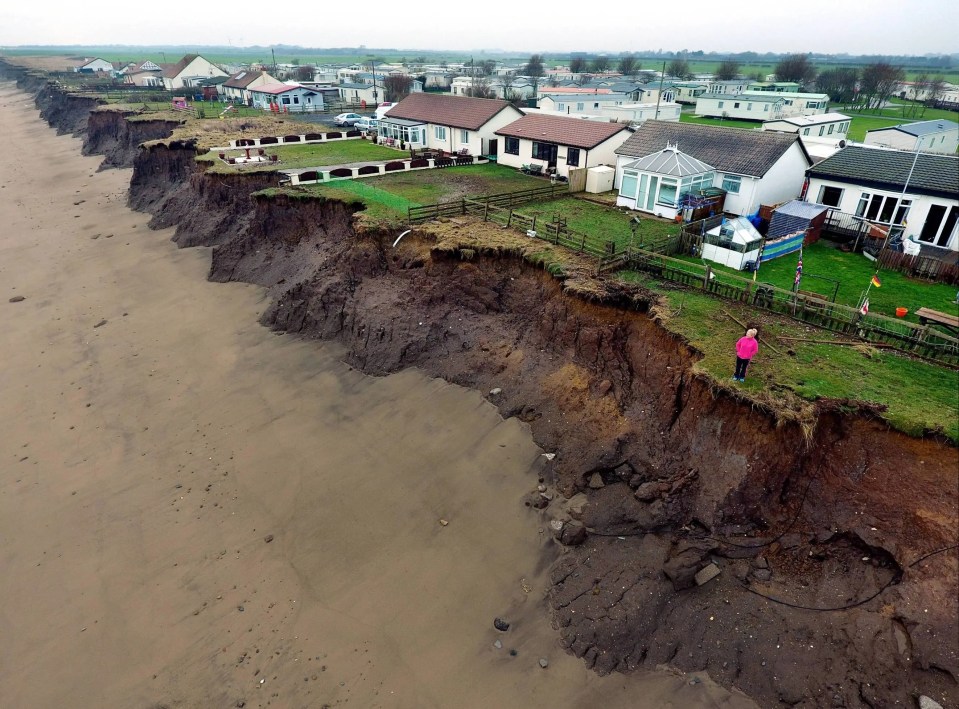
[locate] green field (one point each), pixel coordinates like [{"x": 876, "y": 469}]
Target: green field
[
  {"x": 310, "y": 155},
  {"x": 853, "y": 271},
  {"x": 387, "y": 198},
  {"x": 919, "y": 396}
]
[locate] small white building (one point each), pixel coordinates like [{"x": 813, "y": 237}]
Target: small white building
[
  {"x": 936, "y": 136},
  {"x": 189, "y": 72},
  {"x": 657, "y": 182},
  {"x": 361, "y": 93},
  {"x": 869, "y": 183},
  {"x": 688, "y": 91},
  {"x": 559, "y": 142},
  {"x": 95, "y": 65},
  {"x": 450, "y": 123},
  {"x": 734, "y": 243},
  {"x": 761, "y": 106},
  {"x": 753, "y": 167},
  {"x": 286, "y": 98},
  {"x": 640, "y": 112}
]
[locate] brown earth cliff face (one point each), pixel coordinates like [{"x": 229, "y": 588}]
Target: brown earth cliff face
[{"x": 669, "y": 473}]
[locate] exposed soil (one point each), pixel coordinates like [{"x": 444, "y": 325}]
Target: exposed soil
[
  {"x": 666, "y": 472},
  {"x": 117, "y": 139}
]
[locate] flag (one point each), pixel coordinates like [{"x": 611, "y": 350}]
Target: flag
[
  {"x": 875, "y": 281},
  {"x": 798, "y": 273},
  {"x": 865, "y": 306}
]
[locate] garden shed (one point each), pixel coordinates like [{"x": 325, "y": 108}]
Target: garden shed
[
  {"x": 797, "y": 216},
  {"x": 733, "y": 243}
]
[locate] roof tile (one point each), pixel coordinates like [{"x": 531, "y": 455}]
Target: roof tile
[
  {"x": 856, "y": 164},
  {"x": 454, "y": 111},
  {"x": 563, "y": 131}
]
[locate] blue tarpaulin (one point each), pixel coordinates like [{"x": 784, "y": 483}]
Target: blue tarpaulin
[{"x": 782, "y": 246}]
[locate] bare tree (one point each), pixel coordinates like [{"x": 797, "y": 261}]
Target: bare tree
[
  {"x": 534, "y": 67},
  {"x": 304, "y": 72},
  {"x": 577, "y": 65},
  {"x": 629, "y": 65},
  {"x": 601, "y": 64},
  {"x": 584, "y": 79},
  {"x": 396, "y": 86},
  {"x": 795, "y": 67},
  {"x": 480, "y": 88},
  {"x": 727, "y": 70},
  {"x": 507, "y": 82},
  {"x": 840, "y": 83},
  {"x": 937, "y": 87},
  {"x": 679, "y": 67},
  {"x": 878, "y": 83},
  {"x": 917, "y": 92},
  {"x": 487, "y": 67}
]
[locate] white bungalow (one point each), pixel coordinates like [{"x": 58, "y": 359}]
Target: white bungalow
[
  {"x": 95, "y": 65},
  {"x": 189, "y": 71},
  {"x": 559, "y": 142},
  {"x": 287, "y": 98},
  {"x": 657, "y": 182},
  {"x": 936, "y": 136},
  {"x": 239, "y": 86},
  {"x": 831, "y": 126}
]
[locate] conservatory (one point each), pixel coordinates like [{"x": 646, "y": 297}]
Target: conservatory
[
  {"x": 399, "y": 131},
  {"x": 657, "y": 182}
]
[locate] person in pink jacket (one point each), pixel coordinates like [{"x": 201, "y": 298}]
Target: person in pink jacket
[{"x": 746, "y": 349}]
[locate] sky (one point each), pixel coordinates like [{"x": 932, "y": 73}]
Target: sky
[{"x": 832, "y": 26}]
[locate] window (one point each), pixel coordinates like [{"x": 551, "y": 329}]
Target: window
[
  {"x": 749, "y": 107},
  {"x": 628, "y": 188},
  {"x": 736, "y": 105},
  {"x": 296, "y": 99},
  {"x": 822, "y": 129},
  {"x": 464, "y": 137},
  {"x": 439, "y": 132},
  {"x": 805, "y": 131},
  {"x": 882, "y": 208},
  {"x": 512, "y": 146},
  {"x": 544, "y": 151},
  {"x": 572, "y": 157},
  {"x": 721, "y": 103},
  {"x": 765, "y": 107},
  {"x": 286, "y": 100},
  {"x": 667, "y": 193},
  {"x": 580, "y": 106},
  {"x": 831, "y": 127},
  {"x": 830, "y": 196},
  {"x": 595, "y": 105},
  {"x": 561, "y": 106},
  {"x": 732, "y": 183}
]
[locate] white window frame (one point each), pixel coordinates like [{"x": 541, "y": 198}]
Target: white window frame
[
  {"x": 464, "y": 137},
  {"x": 730, "y": 181},
  {"x": 439, "y": 132}
]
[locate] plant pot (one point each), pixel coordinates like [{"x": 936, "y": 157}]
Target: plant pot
[{"x": 901, "y": 312}]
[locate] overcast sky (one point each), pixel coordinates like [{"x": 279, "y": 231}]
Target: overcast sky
[{"x": 834, "y": 26}]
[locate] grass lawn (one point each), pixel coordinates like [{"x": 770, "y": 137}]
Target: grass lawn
[
  {"x": 600, "y": 223},
  {"x": 919, "y": 396},
  {"x": 312, "y": 155},
  {"x": 854, "y": 272},
  {"x": 690, "y": 117},
  {"x": 387, "y": 198}
]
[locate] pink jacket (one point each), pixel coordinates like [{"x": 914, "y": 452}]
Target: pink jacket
[{"x": 747, "y": 347}]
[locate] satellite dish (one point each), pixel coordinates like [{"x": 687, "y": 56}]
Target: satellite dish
[{"x": 842, "y": 143}]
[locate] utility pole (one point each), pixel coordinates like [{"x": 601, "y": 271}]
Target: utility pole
[
  {"x": 274, "y": 60},
  {"x": 662, "y": 78},
  {"x": 373, "y": 67}
]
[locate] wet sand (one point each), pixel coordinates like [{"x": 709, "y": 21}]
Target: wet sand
[{"x": 154, "y": 437}]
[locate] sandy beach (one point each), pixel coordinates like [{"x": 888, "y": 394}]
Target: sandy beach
[{"x": 196, "y": 512}]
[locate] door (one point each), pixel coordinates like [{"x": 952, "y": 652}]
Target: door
[
  {"x": 552, "y": 154},
  {"x": 933, "y": 222},
  {"x": 493, "y": 147},
  {"x": 948, "y": 227},
  {"x": 651, "y": 197}
]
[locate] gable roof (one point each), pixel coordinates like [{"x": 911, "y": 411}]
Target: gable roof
[
  {"x": 563, "y": 131},
  {"x": 171, "y": 72},
  {"x": 242, "y": 79},
  {"x": 889, "y": 169},
  {"x": 744, "y": 152},
  {"x": 454, "y": 111},
  {"x": 921, "y": 128},
  {"x": 277, "y": 88}
]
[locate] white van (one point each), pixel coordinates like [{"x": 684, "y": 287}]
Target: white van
[{"x": 382, "y": 109}]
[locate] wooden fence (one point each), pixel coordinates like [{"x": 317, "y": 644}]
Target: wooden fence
[
  {"x": 920, "y": 266},
  {"x": 922, "y": 340},
  {"x": 508, "y": 200}
]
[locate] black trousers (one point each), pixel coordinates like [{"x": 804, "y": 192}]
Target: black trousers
[{"x": 741, "y": 365}]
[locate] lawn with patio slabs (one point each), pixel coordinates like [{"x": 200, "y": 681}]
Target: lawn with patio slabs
[{"x": 337, "y": 152}]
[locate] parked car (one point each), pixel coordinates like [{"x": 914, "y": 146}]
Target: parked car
[
  {"x": 347, "y": 119},
  {"x": 367, "y": 125},
  {"x": 382, "y": 109}
]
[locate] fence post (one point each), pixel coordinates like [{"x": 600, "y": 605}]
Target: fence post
[
  {"x": 707, "y": 277},
  {"x": 534, "y": 222},
  {"x": 463, "y": 201},
  {"x": 486, "y": 212},
  {"x": 582, "y": 243},
  {"x": 509, "y": 219}
]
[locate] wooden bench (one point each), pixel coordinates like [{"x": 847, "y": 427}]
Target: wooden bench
[{"x": 927, "y": 315}]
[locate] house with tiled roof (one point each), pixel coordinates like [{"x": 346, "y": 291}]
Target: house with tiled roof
[
  {"x": 935, "y": 136},
  {"x": 238, "y": 87},
  {"x": 559, "y": 142},
  {"x": 752, "y": 167},
  {"x": 451, "y": 123},
  {"x": 189, "y": 71},
  {"x": 916, "y": 191},
  {"x": 91, "y": 66}
]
